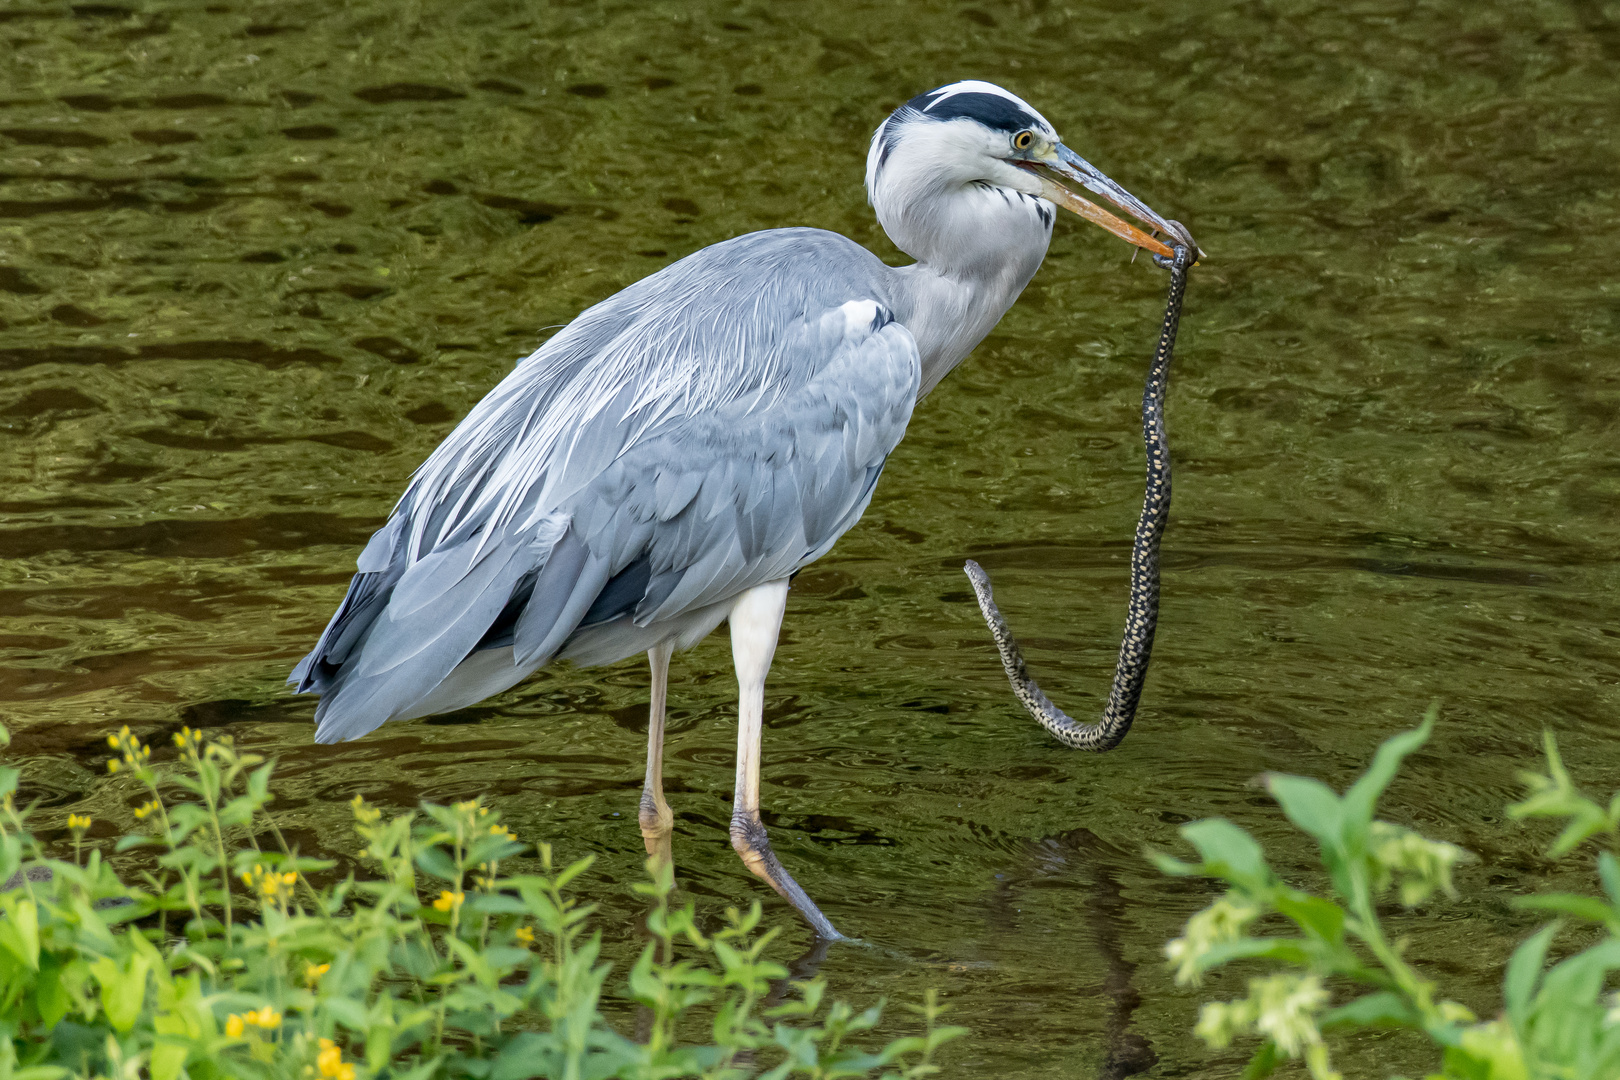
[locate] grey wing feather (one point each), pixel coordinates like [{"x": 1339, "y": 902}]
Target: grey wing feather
[
  {"x": 777, "y": 487},
  {"x": 713, "y": 427}
]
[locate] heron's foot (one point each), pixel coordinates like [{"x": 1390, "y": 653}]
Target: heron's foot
[
  {"x": 749, "y": 838},
  {"x": 657, "y": 825}
]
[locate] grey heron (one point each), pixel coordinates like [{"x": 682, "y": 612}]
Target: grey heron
[{"x": 668, "y": 460}]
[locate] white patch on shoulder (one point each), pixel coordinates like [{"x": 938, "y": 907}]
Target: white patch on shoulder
[{"x": 859, "y": 317}]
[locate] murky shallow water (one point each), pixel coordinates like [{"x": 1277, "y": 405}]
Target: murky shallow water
[{"x": 256, "y": 258}]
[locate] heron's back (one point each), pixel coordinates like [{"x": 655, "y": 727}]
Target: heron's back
[{"x": 711, "y": 427}]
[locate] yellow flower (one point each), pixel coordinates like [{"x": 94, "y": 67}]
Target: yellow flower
[
  {"x": 233, "y": 1026},
  {"x": 313, "y": 973},
  {"x": 448, "y": 900},
  {"x": 363, "y": 813},
  {"x": 331, "y": 1064},
  {"x": 79, "y": 822},
  {"x": 271, "y": 885},
  {"x": 135, "y": 756},
  {"x": 266, "y": 1018},
  {"x": 525, "y": 934},
  {"x": 147, "y": 809}
]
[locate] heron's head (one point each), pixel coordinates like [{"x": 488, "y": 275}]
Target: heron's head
[{"x": 935, "y": 158}]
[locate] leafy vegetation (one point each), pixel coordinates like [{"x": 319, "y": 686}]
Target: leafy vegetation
[
  {"x": 1557, "y": 1021},
  {"x": 228, "y": 960}
]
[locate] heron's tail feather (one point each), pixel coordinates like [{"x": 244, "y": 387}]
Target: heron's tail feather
[
  {"x": 379, "y": 567},
  {"x": 404, "y": 631}
]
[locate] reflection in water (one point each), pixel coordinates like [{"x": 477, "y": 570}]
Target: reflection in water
[
  {"x": 1126, "y": 1052},
  {"x": 256, "y": 258},
  {"x": 1099, "y": 918}
]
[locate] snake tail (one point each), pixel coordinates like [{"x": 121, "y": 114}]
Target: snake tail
[{"x": 1142, "y": 613}]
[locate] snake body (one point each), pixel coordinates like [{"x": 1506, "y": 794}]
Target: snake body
[{"x": 1142, "y": 614}]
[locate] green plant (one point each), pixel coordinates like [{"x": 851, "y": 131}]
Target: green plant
[
  {"x": 1556, "y": 1022},
  {"x": 229, "y": 961}
]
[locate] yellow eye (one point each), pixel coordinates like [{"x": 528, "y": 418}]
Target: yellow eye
[{"x": 1022, "y": 140}]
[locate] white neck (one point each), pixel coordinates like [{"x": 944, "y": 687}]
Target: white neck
[{"x": 977, "y": 230}]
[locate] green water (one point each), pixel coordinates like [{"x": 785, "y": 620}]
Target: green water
[{"x": 259, "y": 257}]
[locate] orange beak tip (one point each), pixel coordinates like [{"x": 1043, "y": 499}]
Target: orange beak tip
[{"x": 1098, "y": 216}]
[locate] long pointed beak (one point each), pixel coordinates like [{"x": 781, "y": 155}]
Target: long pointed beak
[{"x": 1072, "y": 166}]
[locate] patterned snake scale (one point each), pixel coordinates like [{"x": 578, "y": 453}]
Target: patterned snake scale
[{"x": 1142, "y": 614}]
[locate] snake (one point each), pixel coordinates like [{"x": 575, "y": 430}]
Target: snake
[{"x": 1142, "y": 611}]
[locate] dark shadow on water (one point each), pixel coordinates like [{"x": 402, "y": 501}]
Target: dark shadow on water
[{"x": 1102, "y": 919}]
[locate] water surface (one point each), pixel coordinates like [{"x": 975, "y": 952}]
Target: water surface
[{"x": 257, "y": 258}]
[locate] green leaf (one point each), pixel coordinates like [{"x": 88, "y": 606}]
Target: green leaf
[
  {"x": 1579, "y": 980},
  {"x": 51, "y": 998},
  {"x": 19, "y": 932},
  {"x": 424, "y": 1070},
  {"x": 495, "y": 904},
  {"x": 1589, "y": 908},
  {"x": 1362, "y": 798},
  {"x": 168, "y": 1059},
  {"x": 239, "y": 811},
  {"x": 1264, "y": 1062},
  {"x": 1311, "y": 805},
  {"x": 1316, "y": 916},
  {"x": 1524, "y": 972},
  {"x": 348, "y": 1012},
  {"x": 1609, "y": 873},
  {"x": 1380, "y": 1009},
  {"x": 259, "y": 783},
  {"x": 434, "y": 861},
  {"x": 1284, "y": 950},
  {"x": 1173, "y": 867},
  {"x": 573, "y": 870},
  {"x": 123, "y": 989},
  {"x": 1229, "y": 852},
  {"x": 1555, "y": 795},
  {"x": 1587, "y": 822}
]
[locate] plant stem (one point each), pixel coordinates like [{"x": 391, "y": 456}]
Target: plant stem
[{"x": 1417, "y": 989}]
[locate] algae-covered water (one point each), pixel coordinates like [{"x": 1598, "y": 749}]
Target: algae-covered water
[{"x": 257, "y": 258}]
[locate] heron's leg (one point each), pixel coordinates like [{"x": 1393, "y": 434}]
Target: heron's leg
[
  {"x": 756, "y": 618},
  {"x": 657, "y": 822}
]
